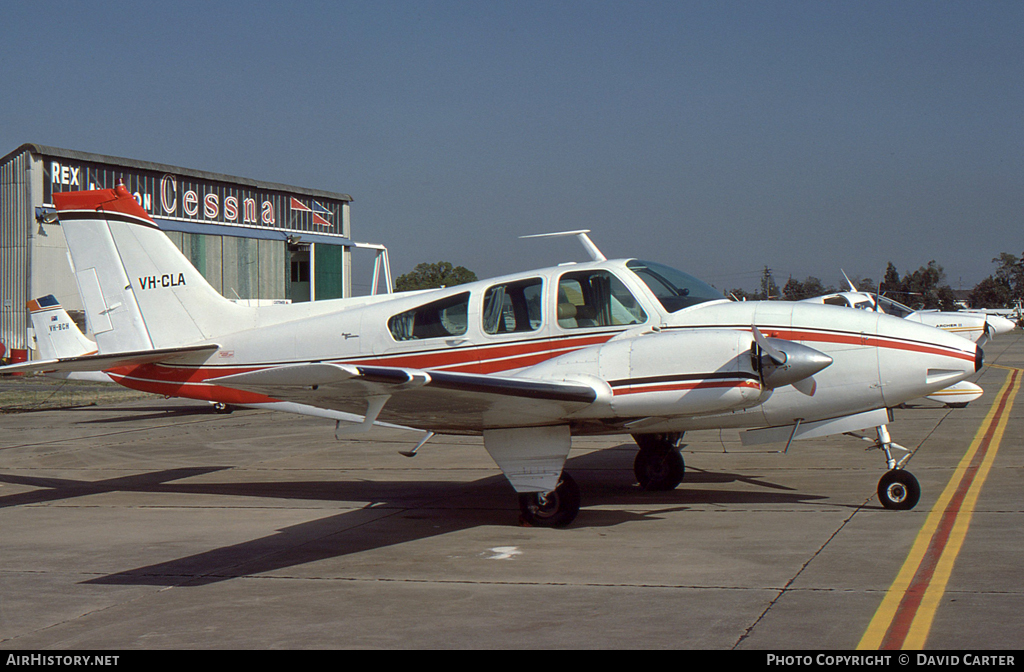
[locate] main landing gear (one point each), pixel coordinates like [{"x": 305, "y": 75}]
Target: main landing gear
[
  {"x": 898, "y": 489},
  {"x": 659, "y": 465},
  {"x": 557, "y": 508}
]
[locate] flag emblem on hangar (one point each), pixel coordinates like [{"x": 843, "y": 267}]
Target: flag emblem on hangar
[{"x": 320, "y": 213}]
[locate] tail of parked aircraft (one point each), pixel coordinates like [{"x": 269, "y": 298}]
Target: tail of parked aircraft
[
  {"x": 140, "y": 292},
  {"x": 58, "y": 337}
]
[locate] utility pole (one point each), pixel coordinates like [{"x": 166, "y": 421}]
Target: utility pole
[{"x": 768, "y": 286}]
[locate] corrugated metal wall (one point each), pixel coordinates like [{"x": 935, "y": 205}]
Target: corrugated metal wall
[
  {"x": 244, "y": 268},
  {"x": 14, "y": 222}
]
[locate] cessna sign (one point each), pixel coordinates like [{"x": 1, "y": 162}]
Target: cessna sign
[{"x": 188, "y": 198}]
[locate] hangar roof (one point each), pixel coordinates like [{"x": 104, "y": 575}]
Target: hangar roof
[{"x": 44, "y": 150}]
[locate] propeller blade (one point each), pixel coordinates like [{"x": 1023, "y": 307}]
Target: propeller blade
[
  {"x": 777, "y": 355},
  {"x": 807, "y": 386}
]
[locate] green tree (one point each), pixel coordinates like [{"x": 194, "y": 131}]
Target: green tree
[
  {"x": 811, "y": 287},
  {"x": 1004, "y": 286},
  {"x": 926, "y": 290},
  {"x": 866, "y": 285},
  {"x": 432, "y": 276},
  {"x": 990, "y": 293},
  {"x": 891, "y": 281}
]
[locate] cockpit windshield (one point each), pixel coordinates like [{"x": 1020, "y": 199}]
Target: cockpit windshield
[
  {"x": 890, "y": 307},
  {"x": 676, "y": 290}
]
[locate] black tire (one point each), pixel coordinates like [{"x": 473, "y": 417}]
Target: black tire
[
  {"x": 659, "y": 470},
  {"x": 558, "y": 509},
  {"x": 221, "y": 407},
  {"x": 898, "y": 490}
]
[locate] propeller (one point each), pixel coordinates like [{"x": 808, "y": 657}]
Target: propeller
[{"x": 781, "y": 362}]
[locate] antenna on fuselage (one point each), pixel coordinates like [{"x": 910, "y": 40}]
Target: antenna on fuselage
[{"x": 581, "y": 235}]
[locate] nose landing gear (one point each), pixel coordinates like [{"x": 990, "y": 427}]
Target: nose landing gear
[{"x": 898, "y": 489}]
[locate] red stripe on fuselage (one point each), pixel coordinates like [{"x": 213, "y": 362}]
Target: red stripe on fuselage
[
  {"x": 867, "y": 340},
  {"x": 193, "y": 382}
]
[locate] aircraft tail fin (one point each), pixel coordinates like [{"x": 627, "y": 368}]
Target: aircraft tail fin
[
  {"x": 140, "y": 292},
  {"x": 57, "y": 336}
]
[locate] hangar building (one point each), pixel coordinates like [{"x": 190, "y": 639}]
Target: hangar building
[{"x": 250, "y": 239}]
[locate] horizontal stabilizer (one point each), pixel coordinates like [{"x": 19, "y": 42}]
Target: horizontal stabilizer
[{"x": 109, "y": 361}]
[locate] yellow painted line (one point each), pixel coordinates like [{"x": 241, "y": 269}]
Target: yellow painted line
[{"x": 905, "y": 617}]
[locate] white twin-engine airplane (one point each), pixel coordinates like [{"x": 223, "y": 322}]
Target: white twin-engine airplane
[{"x": 526, "y": 360}]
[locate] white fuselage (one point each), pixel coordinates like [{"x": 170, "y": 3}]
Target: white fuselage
[{"x": 677, "y": 370}]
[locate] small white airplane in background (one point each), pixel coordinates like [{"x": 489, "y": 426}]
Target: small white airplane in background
[
  {"x": 975, "y": 326},
  {"x": 525, "y": 360}
]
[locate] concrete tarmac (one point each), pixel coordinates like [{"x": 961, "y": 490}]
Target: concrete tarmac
[{"x": 159, "y": 524}]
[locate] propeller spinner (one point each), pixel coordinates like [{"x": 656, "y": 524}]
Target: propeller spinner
[{"x": 783, "y": 362}]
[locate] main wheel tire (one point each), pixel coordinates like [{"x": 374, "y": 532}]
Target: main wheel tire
[
  {"x": 899, "y": 490},
  {"x": 659, "y": 470},
  {"x": 556, "y": 509}
]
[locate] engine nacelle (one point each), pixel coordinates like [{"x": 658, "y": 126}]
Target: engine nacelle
[{"x": 664, "y": 373}]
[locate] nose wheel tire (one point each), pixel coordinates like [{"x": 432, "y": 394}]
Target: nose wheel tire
[
  {"x": 659, "y": 470},
  {"x": 557, "y": 508},
  {"x": 898, "y": 490}
]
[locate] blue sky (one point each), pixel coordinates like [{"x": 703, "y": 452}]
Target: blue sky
[{"x": 717, "y": 137}]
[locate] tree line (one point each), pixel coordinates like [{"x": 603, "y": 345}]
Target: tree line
[{"x": 922, "y": 289}]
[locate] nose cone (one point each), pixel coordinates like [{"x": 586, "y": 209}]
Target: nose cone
[
  {"x": 915, "y": 360},
  {"x": 997, "y": 324}
]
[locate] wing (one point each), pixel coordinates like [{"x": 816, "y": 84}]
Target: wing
[
  {"x": 108, "y": 361},
  {"x": 436, "y": 400}
]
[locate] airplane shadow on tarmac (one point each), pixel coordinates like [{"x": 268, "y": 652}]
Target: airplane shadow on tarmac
[{"x": 395, "y": 512}]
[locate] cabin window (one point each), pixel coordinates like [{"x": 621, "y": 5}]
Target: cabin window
[
  {"x": 837, "y": 301},
  {"x": 596, "y": 299},
  {"x": 437, "y": 319},
  {"x": 513, "y": 307}
]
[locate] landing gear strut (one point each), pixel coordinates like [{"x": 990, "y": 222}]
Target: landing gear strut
[
  {"x": 557, "y": 508},
  {"x": 659, "y": 465},
  {"x": 898, "y": 489}
]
